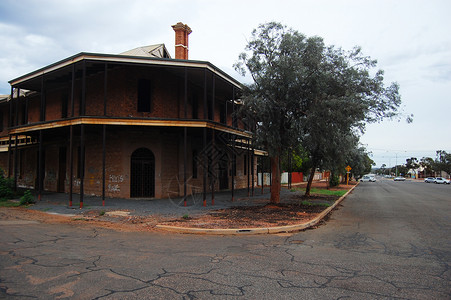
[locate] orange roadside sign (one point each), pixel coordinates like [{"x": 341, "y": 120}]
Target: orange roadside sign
[{"x": 348, "y": 168}]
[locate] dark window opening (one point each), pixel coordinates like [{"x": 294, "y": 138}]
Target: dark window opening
[
  {"x": 1, "y": 121},
  {"x": 144, "y": 95},
  {"x": 222, "y": 114},
  {"x": 195, "y": 165},
  {"x": 194, "y": 102},
  {"x": 64, "y": 105},
  {"x": 24, "y": 119},
  {"x": 245, "y": 164},
  {"x": 210, "y": 110}
]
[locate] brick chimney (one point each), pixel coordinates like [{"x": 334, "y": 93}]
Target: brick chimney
[{"x": 181, "y": 40}]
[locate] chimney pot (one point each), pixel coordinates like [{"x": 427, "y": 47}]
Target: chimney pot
[{"x": 181, "y": 40}]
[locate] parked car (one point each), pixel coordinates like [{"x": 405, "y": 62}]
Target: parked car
[
  {"x": 399, "y": 178},
  {"x": 429, "y": 180},
  {"x": 441, "y": 180},
  {"x": 367, "y": 178}
]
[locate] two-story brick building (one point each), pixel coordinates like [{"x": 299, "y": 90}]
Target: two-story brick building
[{"x": 137, "y": 124}]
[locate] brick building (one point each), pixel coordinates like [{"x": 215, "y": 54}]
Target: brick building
[{"x": 138, "y": 124}]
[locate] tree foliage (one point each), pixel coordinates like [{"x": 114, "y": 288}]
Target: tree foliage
[{"x": 307, "y": 93}]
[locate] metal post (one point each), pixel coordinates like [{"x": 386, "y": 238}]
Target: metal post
[
  {"x": 213, "y": 166},
  {"x": 185, "y": 137},
  {"x": 81, "y": 163},
  {"x": 9, "y": 156},
  {"x": 205, "y": 170},
  {"x": 40, "y": 181},
  {"x": 83, "y": 91},
  {"x": 71, "y": 163},
  {"x": 213, "y": 99},
  {"x": 233, "y": 147},
  {"x": 204, "y": 144},
  {"x": 105, "y": 88},
  {"x": 185, "y": 159},
  {"x": 15, "y": 164},
  {"x": 233, "y": 167},
  {"x": 42, "y": 114},
  {"x": 11, "y": 109},
  {"x": 17, "y": 107},
  {"x": 213, "y": 160},
  {"x": 72, "y": 90},
  {"x": 103, "y": 163}
]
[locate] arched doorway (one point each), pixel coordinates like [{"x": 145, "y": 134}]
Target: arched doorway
[{"x": 142, "y": 173}]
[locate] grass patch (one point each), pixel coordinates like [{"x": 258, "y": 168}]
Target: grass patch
[
  {"x": 308, "y": 203},
  {"x": 9, "y": 204},
  {"x": 325, "y": 192}
]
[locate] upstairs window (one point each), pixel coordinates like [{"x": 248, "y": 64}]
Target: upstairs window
[
  {"x": 222, "y": 114},
  {"x": 144, "y": 95},
  {"x": 64, "y": 105},
  {"x": 194, "y": 103}
]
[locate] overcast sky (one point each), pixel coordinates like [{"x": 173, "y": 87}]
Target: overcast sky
[{"x": 410, "y": 39}]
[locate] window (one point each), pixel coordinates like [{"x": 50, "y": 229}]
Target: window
[
  {"x": 222, "y": 114},
  {"x": 64, "y": 102},
  {"x": 194, "y": 103},
  {"x": 144, "y": 95},
  {"x": 245, "y": 164}
]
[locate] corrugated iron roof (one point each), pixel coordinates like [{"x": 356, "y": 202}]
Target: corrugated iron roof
[{"x": 158, "y": 51}]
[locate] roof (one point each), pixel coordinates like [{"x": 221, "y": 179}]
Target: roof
[
  {"x": 158, "y": 51},
  {"x": 98, "y": 57}
]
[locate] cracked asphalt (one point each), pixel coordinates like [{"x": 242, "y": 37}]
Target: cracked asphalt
[{"x": 388, "y": 240}]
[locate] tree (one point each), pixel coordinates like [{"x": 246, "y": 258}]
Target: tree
[
  {"x": 428, "y": 165},
  {"x": 360, "y": 161},
  {"x": 305, "y": 92},
  {"x": 443, "y": 161},
  {"x": 412, "y": 163}
]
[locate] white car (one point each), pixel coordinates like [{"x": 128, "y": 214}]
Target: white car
[
  {"x": 399, "y": 178},
  {"x": 429, "y": 180},
  {"x": 367, "y": 178},
  {"x": 441, "y": 180}
]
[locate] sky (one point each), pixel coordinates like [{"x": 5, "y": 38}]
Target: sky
[{"x": 410, "y": 39}]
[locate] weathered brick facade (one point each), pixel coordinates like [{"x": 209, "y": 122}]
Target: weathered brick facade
[{"x": 106, "y": 91}]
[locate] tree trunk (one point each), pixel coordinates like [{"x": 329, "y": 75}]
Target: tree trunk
[
  {"x": 275, "y": 180},
  {"x": 309, "y": 183}
]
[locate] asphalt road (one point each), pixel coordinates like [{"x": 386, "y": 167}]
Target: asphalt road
[{"x": 388, "y": 240}]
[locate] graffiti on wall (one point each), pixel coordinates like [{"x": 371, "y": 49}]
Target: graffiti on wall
[{"x": 114, "y": 183}]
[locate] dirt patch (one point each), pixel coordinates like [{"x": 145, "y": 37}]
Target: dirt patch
[{"x": 294, "y": 210}]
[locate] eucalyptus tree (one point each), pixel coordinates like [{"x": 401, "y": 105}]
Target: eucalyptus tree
[{"x": 306, "y": 92}]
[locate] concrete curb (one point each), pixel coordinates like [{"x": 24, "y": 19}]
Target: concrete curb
[{"x": 265, "y": 230}]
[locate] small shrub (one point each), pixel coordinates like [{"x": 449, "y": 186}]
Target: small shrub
[
  {"x": 6, "y": 186},
  {"x": 334, "y": 180},
  {"x": 102, "y": 213},
  {"x": 27, "y": 198},
  {"x": 186, "y": 217}
]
